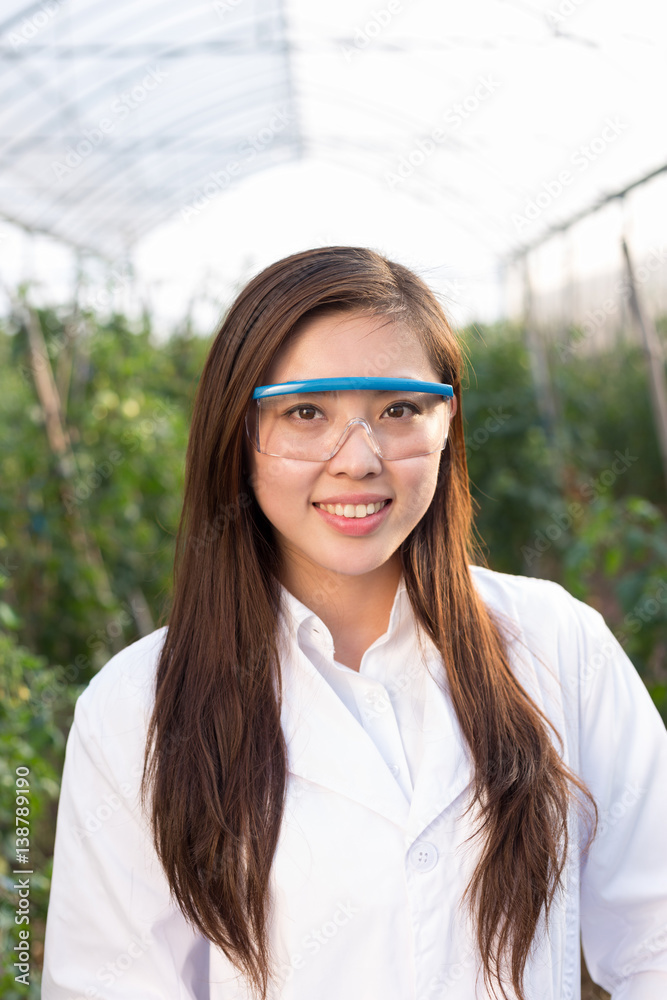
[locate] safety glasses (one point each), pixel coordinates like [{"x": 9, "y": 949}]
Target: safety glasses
[{"x": 309, "y": 420}]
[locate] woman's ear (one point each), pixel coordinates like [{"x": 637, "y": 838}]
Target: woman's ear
[{"x": 454, "y": 408}]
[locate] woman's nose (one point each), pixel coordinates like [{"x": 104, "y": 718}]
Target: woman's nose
[{"x": 356, "y": 451}]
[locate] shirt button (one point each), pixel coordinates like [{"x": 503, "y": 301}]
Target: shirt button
[
  {"x": 423, "y": 856},
  {"x": 395, "y": 769}
]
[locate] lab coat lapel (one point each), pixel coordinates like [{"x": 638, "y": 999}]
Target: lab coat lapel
[
  {"x": 446, "y": 767},
  {"x": 327, "y": 746}
]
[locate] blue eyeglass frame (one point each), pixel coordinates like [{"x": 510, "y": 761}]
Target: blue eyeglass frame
[{"x": 356, "y": 382}]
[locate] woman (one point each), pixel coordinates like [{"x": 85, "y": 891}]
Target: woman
[{"x": 372, "y": 769}]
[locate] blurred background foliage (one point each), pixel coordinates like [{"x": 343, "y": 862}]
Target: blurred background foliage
[
  {"x": 582, "y": 501},
  {"x": 87, "y": 532}
]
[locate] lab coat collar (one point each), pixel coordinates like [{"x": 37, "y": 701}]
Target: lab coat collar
[
  {"x": 301, "y": 618},
  {"x": 327, "y": 746}
]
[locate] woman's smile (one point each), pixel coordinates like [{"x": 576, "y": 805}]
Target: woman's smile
[
  {"x": 355, "y": 520},
  {"x": 352, "y": 510}
]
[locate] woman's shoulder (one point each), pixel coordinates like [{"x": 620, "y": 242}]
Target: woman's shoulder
[
  {"x": 526, "y": 598},
  {"x": 549, "y": 620},
  {"x": 122, "y": 692}
]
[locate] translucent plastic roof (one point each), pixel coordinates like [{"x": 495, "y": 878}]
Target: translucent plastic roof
[
  {"x": 510, "y": 116},
  {"x": 113, "y": 113}
]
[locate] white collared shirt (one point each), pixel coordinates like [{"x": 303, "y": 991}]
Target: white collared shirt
[
  {"x": 369, "y": 870},
  {"x": 386, "y": 695}
]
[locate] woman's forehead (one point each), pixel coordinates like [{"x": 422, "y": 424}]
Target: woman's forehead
[{"x": 344, "y": 344}]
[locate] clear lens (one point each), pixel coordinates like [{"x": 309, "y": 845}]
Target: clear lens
[{"x": 311, "y": 426}]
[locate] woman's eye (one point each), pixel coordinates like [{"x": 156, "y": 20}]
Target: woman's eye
[
  {"x": 410, "y": 407},
  {"x": 397, "y": 411},
  {"x": 301, "y": 409}
]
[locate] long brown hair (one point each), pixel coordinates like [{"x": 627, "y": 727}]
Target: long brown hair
[{"x": 216, "y": 758}]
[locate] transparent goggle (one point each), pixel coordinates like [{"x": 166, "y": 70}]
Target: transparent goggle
[{"x": 310, "y": 420}]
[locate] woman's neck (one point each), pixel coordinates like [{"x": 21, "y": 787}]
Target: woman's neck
[{"x": 355, "y": 609}]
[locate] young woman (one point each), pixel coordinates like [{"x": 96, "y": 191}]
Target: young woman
[{"x": 355, "y": 764}]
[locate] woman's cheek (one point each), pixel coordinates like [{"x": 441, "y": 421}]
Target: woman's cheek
[
  {"x": 281, "y": 489},
  {"x": 421, "y": 488}
]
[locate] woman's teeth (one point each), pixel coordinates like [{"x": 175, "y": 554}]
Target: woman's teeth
[{"x": 353, "y": 510}]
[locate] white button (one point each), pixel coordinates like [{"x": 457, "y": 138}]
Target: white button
[
  {"x": 395, "y": 769},
  {"x": 423, "y": 856}
]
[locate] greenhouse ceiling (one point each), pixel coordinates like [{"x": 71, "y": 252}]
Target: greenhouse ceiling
[{"x": 117, "y": 117}]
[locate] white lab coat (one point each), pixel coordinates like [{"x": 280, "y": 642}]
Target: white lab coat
[{"x": 367, "y": 884}]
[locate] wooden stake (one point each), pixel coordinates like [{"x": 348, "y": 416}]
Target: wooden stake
[
  {"x": 654, "y": 359},
  {"x": 544, "y": 395},
  {"x": 61, "y": 448}
]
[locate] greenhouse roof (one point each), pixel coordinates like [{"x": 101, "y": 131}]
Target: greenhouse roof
[
  {"x": 113, "y": 111},
  {"x": 118, "y": 117}
]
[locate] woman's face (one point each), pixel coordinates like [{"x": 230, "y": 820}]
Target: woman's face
[{"x": 288, "y": 489}]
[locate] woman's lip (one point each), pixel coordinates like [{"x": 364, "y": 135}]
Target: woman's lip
[
  {"x": 355, "y": 525},
  {"x": 354, "y": 498}
]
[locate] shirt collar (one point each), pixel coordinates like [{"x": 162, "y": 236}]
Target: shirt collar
[{"x": 300, "y": 620}]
